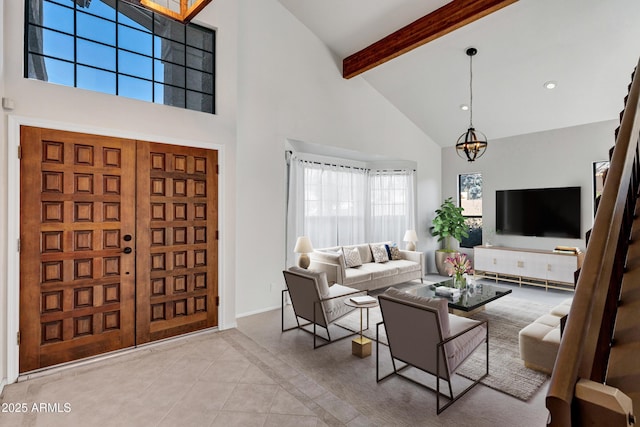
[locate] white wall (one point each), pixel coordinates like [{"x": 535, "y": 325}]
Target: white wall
[
  {"x": 557, "y": 158},
  {"x": 275, "y": 80},
  {"x": 3, "y": 217},
  {"x": 75, "y": 109},
  {"x": 290, "y": 87}
]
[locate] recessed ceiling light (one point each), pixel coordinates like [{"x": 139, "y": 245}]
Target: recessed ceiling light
[
  {"x": 550, "y": 84},
  {"x": 464, "y": 107}
]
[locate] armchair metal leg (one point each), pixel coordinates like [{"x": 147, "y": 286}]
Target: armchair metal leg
[
  {"x": 452, "y": 399},
  {"x": 475, "y": 382}
]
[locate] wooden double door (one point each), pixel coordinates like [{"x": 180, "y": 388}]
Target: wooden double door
[{"x": 118, "y": 244}]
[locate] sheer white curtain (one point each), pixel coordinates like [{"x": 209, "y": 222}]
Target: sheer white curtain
[
  {"x": 334, "y": 204},
  {"x": 392, "y": 204},
  {"x": 341, "y": 205},
  {"x": 326, "y": 203}
]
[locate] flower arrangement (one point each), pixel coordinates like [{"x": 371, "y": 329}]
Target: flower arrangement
[{"x": 458, "y": 265}]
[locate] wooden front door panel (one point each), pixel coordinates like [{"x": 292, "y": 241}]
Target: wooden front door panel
[
  {"x": 76, "y": 283},
  {"x": 118, "y": 244},
  {"x": 176, "y": 241}
]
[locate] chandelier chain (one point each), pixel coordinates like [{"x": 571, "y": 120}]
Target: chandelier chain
[{"x": 470, "y": 91}]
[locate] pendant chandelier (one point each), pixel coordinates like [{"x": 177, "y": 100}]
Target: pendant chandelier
[{"x": 471, "y": 144}]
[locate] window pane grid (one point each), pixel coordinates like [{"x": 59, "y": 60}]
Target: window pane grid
[
  {"x": 171, "y": 62},
  {"x": 470, "y": 198}
]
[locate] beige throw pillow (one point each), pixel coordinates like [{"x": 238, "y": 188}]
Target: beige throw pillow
[
  {"x": 394, "y": 252},
  {"x": 352, "y": 257},
  {"x": 379, "y": 253}
]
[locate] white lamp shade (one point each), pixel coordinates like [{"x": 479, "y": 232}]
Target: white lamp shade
[
  {"x": 410, "y": 236},
  {"x": 303, "y": 245}
]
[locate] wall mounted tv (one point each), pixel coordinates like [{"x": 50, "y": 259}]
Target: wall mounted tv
[{"x": 542, "y": 212}]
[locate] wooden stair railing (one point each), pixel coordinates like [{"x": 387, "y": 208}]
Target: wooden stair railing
[{"x": 581, "y": 365}]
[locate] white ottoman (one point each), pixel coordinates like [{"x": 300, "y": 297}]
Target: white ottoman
[{"x": 539, "y": 341}]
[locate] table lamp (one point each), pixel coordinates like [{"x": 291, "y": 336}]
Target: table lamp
[
  {"x": 411, "y": 238},
  {"x": 303, "y": 247}
]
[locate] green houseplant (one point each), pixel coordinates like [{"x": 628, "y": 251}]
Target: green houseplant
[{"x": 448, "y": 223}]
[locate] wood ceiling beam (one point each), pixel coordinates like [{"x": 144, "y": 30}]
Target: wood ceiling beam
[{"x": 448, "y": 18}]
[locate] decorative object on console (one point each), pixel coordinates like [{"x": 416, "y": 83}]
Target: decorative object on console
[
  {"x": 471, "y": 144},
  {"x": 448, "y": 223},
  {"x": 411, "y": 237},
  {"x": 303, "y": 247}
]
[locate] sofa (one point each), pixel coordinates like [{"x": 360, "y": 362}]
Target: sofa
[
  {"x": 368, "y": 266},
  {"x": 540, "y": 340}
]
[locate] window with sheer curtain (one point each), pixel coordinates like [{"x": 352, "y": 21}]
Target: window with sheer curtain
[
  {"x": 392, "y": 204},
  {"x": 341, "y": 205}
]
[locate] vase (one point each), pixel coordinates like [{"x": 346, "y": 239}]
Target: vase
[
  {"x": 459, "y": 282},
  {"x": 440, "y": 256}
]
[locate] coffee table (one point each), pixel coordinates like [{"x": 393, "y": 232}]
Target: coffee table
[{"x": 471, "y": 300}]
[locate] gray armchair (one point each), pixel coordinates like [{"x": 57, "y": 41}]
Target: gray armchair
[
  {"x": 422, "y": 334},
  {"x": 317, "y": 303}
]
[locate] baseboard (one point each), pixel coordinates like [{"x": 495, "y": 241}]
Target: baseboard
[
  {"x": 50, "y": 370},
  {"x": 262, "y": 310}
]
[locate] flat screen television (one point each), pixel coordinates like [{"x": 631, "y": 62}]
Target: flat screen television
[{"x": 541, "y": 212}]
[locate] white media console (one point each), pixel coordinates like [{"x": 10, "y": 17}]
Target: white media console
[{"x": 548, "y": 269}]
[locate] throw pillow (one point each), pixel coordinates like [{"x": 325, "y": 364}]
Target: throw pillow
[
  {"x": 379, "y": 253},
  {"x": 352, "y": 257},
  {"x": 394, "y": 252}
]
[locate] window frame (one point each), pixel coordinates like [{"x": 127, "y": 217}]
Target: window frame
[
  {"x": 467, "y": 242},
  {"x": 202, "y": 97}
]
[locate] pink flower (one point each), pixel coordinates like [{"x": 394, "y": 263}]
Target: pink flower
[{"x": 458, "y": 265}]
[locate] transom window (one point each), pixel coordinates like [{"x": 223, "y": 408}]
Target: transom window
[
  {"x": 114, "y": 47},
  {"x": 470, "y": 196}
]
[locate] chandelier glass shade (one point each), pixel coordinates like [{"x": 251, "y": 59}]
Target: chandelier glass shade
[{"x": 472, "y": 144}]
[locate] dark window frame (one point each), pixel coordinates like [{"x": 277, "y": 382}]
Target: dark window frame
[
  {"x": 34, "y": 50},
  {"x": 475, "y": 238}
]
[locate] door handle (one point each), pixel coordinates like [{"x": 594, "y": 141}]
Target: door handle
[
  {"x": 127, "y": 237},
  {"x": 127, "y": 250}
]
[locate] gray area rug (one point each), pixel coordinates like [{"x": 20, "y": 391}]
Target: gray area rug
[{"x": 506, "y": 317}]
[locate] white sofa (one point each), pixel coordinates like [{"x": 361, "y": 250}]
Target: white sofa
[
  {"x": 540, "y": 340},
  {"x": 370, "y": 275}
]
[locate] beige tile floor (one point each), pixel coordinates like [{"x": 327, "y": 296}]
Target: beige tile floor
[
  {"x": 209, "y": 379},
  {"x": 251, "y": 376}
]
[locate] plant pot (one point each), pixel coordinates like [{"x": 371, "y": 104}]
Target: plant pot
[{"x": 441, "y": 256}]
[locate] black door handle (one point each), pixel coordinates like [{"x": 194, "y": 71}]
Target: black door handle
[
  {"x": 127, "y": 250},
  {"x": 127, "y": 237}
]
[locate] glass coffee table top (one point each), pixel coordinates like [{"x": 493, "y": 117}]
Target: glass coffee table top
[{"x": 470, "y": 299}]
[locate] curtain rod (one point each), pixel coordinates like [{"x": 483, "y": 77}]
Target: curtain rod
[{"x": 289, "y": 153}]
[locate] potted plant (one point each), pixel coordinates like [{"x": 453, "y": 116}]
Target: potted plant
[{"x": 448, "y": 223}]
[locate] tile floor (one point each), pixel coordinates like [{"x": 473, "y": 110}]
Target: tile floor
[
  {"x": 208, "y": 379},
  {"x": 251, "y": 376}
]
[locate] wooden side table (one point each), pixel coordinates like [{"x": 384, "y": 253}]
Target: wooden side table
[{"x": 361, "y": 346}]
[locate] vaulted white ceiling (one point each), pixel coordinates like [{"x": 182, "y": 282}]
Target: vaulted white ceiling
[{"x": 589, "y": 47}]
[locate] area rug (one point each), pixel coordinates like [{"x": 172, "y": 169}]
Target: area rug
[{"x": 507, "y": 373}]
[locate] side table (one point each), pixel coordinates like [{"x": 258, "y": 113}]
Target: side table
[{"x": 361, "y": 346}]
